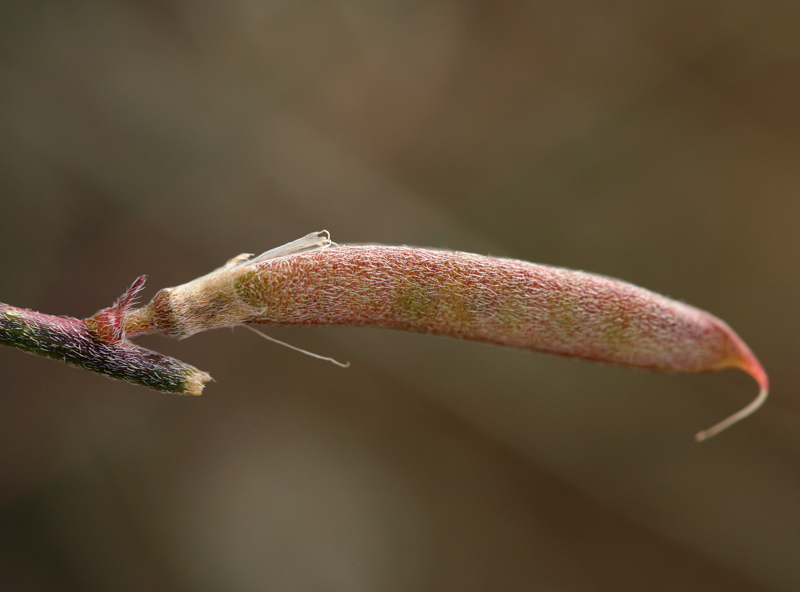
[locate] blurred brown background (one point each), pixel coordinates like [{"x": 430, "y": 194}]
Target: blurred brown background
[{"x": 657, "y": 142}]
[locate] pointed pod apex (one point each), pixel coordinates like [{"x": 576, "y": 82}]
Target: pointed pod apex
[{"x": 745, "y": 360}]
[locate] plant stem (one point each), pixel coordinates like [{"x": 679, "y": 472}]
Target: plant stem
[{"x": 98, "y": 345}]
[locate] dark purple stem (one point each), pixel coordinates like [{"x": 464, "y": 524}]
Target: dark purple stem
[{"x": 98, "y": 344}]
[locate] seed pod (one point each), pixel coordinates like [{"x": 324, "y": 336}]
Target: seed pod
[{"x": 501, "y": 301}]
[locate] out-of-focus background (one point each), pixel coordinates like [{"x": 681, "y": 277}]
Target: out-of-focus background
[{"x": 657, "y": 142}]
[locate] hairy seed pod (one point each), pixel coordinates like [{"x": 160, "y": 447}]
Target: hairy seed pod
[{"x": 493, "y": 300}]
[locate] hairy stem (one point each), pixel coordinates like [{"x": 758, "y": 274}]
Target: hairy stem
[{"x": 98, "y": 344}]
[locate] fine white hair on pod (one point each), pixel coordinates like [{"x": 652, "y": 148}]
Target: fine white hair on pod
[{"x": 507, "y": 302}]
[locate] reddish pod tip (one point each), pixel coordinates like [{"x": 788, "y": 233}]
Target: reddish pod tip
[{"x": 744, "y": 360}]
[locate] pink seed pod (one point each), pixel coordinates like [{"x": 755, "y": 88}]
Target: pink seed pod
[{"x": 492, "y": 300}]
